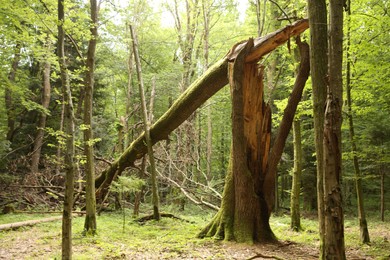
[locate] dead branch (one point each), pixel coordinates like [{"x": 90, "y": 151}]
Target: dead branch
[
  {"x": 28, "y": 223},
  {"x": 165, "y": 215}
]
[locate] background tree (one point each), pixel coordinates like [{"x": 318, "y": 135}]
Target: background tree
[
  {"x": 69, "y": 131},
  {"x": 90, "y": 217},
  {"x": 317, "y": 13}
]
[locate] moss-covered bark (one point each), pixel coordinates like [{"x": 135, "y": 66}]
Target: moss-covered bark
[
  {"x": 247, "y": 200},
  {"x": 244, "y": 215}
]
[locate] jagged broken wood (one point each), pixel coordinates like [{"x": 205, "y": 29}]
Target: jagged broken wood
[{"x": 202, "y": 89}]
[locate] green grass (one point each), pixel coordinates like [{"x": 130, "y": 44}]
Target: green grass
[{"x": 168, "y": 238}]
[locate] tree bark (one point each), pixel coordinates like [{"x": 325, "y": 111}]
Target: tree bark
[
  {"x": 69, "y": 165},
  {"x": 90, "y": 225},
  {"x": 243, "y": 215},
  {"x": 296, "y": 179},
  {"x": 202, "y": 89},
  {"x": 333, "y": 206},
  {"x": 248, "y": 196},
  {"x": 42, "y": 118},
  {"x": 319, "y": 64},
  {"x": 149, "y": 144}
]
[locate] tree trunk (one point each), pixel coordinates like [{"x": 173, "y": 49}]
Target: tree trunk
[
  {"x": 9, "y": 103},
  {"x": 201, "y": 90},
  {"x": 248, "y": 197},
  {"x": 364, "y": 235},
  {"x": 90, "y": 200},
  {"x": 296, "y": 179},
  {"x": 333, "y": 205},
  {"x": 139, "y": 194},
  {"x": 69, "y": 164},
  {"x": 319, "y": 64},
  {"x": 149, "y": 144},
  {"x": 42, "y": 118},
  {"x": 244, "y": 214},
  {"x": 209, "y": 140},
  {"x": 286, "y": 123},
  {"x": 382, "y": 194}
]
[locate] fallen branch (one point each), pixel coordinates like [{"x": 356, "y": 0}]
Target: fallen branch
[
  {"x": 185, "y": 193},
  {"x": 28, "y": 223},
  {"x": 36, "y": 187},
  {"x": 165, "y": 215},
  {"x": 258, "y": 255},
  {"x": 47, "y": 212}
]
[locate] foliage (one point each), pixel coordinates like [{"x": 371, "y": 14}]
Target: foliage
[{"x": 127, "y": 184}]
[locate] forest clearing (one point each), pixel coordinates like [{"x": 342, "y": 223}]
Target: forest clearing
[
  {"x": 176, "y": 239},
  {"x": 194, "y": 129}
]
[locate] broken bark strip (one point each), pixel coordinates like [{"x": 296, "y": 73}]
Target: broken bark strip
[{"x": 202, "y": 89}]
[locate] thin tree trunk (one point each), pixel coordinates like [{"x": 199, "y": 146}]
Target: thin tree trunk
[
  {"x": 9, "y": 103},
  {"x": 42, "y": 118},
  {"x": 202, "y": 89},
  {"x": 333, "y": 205},
  {"x": 128, "y": 96},
  {"x": 319, "y": 64},
  {"x": 296, "y": 179},
  {"x": 90, "y": 201},
  {"x": 139, "y": 194},
  {"x": 149, "y": 144},
  {"x": 209, "y": 140},
  {"x": 59, "y": 148},
  {"x": 69, "y": 164},
  {"x": 382, "y": 194},
  {"x": 364, "y": 235}
]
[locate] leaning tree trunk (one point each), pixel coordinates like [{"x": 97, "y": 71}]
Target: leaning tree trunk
[
  {"x": 146, "y": 119},
  {"x": 248, "y": 197},
  {"x": 202, "y": 89}
]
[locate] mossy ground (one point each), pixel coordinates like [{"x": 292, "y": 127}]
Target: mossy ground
[{"x": 176, "y": 239}]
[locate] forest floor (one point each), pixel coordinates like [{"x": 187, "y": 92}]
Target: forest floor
[{"x": 120, "y": 238}]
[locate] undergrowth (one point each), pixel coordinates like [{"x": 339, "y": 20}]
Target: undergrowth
[{"x": 169, "y": 238}]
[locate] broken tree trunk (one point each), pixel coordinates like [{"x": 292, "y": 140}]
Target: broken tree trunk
[
  {"x": 248, "y": 199},
  {"x": 202, "y": 89}
]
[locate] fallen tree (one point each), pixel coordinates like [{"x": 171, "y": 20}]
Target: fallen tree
[
  {"x": 215, "y": 78},
  {"x": 26, "y": 223}
]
